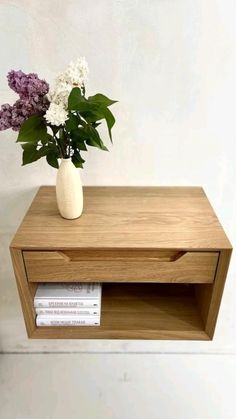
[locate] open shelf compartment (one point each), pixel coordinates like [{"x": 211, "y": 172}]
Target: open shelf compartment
[{"x": 140, "y": 311}]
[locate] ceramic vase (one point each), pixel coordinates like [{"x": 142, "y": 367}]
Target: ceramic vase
[{"x": 69, "y": 190}]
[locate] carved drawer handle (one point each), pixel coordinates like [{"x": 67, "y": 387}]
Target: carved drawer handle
[{"x": 138, "y": 256}]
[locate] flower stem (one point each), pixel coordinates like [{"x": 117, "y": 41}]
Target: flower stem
[{"x": 60, "y": 148}]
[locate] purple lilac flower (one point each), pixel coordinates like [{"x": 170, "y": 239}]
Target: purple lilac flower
[
  {"x": 27, "y": 85},
  {"x": 5, "y": 116},
  {"x": 32, "y": 100},
  {"x": 24, "y": 108}
]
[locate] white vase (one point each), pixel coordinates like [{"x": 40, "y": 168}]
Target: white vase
[{"x": 69, "y": 190}]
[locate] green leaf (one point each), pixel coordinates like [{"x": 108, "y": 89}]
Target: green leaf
[
  {"x": 101, "y": 99},
  {"x": 92, "y": 115},
  {"x": 30, "y": 153},
  {"x": 86, "y": 106},
  {"x": 89, "y": 135},
  {"x": 80, "y": 133},
  {"x": 54, "y": 128},
  {"x": 110, "y": 120},
  {"x": 95, "y": 124},
  {"x": 77, "y": 160},
  {"x": 46, "y": 139},
  {"x": 101, "y": 113},
  {"x": 80, "y": 145},
  {"x": 33, "y": 130},
  {"x": 72, "y": 122},
  {"x": 54, "y": 148},
  {"x": 77, "y": 102},
  {"x": 52, "y": 159},
  {"x": 75, "y": 97},
  {"x": 94, "y": 139},
  {"x": 96, "y": 143},
  {"x": 78, "y": 137}
]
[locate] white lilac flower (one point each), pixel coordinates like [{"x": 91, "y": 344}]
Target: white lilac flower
[
  {"x": 56, "y": 115},
  {"x": 76, "y": 73},
  {"x": 60, "y": 94}
]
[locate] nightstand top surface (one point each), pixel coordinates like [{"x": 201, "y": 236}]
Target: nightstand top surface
[{"x": 124, "y": 217}]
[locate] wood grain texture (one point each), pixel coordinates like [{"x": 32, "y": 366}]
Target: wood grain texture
[
  {"x": 209, "y": 295},
  {"x": 140, "y": 311},
  {"x": 125, "y": 217},
  {"x": 217, "y": 291},
  {"x": 25, "y": 289},
  {"x": 203, "y": 295},
  {"x": 53, "y": 266}
]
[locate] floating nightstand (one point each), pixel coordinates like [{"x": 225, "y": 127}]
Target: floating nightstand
[{"x": 160, "y": 253}]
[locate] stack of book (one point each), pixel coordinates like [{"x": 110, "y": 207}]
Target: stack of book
[{"x": 68, "y": 304}]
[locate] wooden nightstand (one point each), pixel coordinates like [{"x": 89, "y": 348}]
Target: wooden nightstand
[{"x": 160, "y": 252}]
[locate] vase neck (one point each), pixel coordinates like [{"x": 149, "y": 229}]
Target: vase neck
[{"x": 66, "y": 160}]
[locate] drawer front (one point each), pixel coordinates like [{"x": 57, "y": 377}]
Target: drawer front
[{"x": 121, "y": 266}]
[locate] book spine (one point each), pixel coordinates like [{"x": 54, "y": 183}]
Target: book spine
[
  {"x": 47, "y": 303},
  {"x": 69, "y": 311},
  {"x": 44, "y": 321}
]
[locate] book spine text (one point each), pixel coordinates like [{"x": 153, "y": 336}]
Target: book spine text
[
  {"x": 42, "y": 321},
  {"x": 69, "y": 311},
  {"x": 47, "y": 303}
]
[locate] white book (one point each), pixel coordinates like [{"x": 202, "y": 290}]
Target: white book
[
  {"x": 68, "y": 295},
  {"x": 69, "y": 311},
  {"x": 66, "y": 303},
  {"x": 44, "y": 320}
]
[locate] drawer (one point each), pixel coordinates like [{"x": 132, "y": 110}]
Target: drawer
[{"x": 121, "y": 265}]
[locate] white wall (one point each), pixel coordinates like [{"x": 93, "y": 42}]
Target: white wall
[{"x": 172, "y": 66}]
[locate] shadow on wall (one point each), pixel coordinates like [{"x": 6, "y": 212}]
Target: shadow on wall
[{"x": 13, "y": 207}]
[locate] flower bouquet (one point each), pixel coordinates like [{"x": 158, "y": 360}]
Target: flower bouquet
[{"x": 58, "y": 123}]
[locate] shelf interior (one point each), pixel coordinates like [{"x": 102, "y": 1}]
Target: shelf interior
[
  {"x": 141, "y": 311},
  {"x": 150, "y": 306}
]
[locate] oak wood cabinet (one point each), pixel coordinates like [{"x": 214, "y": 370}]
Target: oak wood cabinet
[{"x": 160, "y": 253}]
